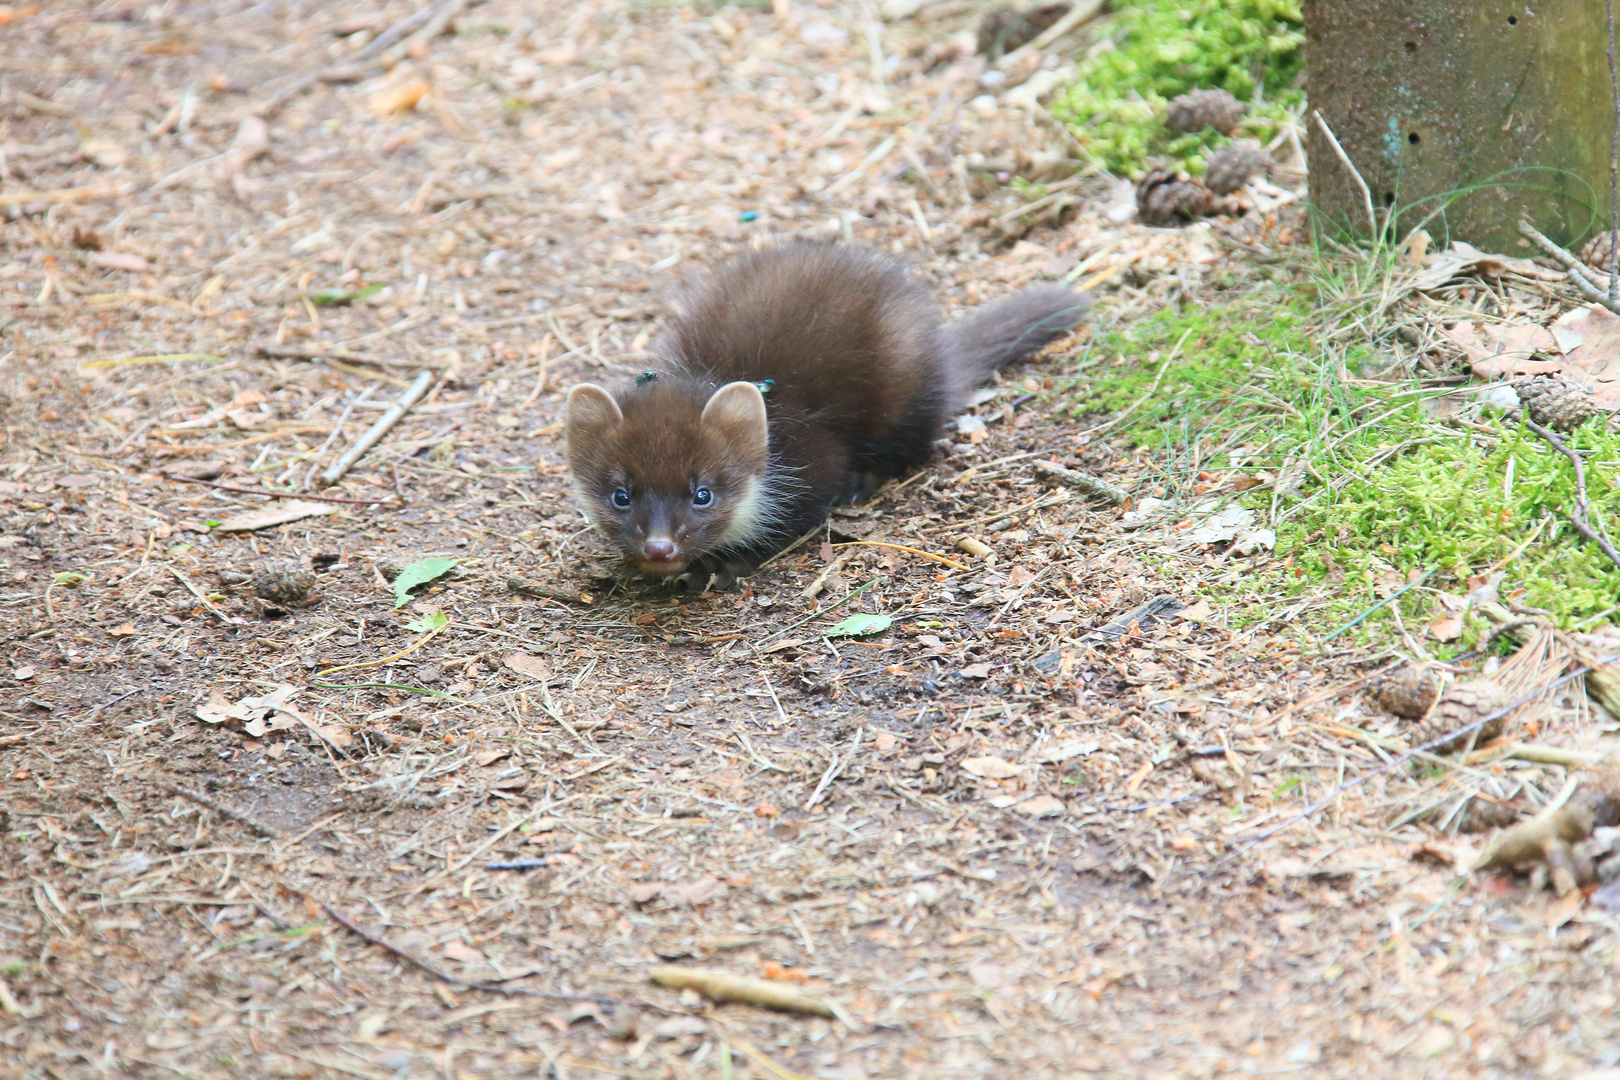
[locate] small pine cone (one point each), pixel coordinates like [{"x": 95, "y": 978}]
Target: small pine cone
[
  {"x": 1463, "y": 704},
  {"x": 1481, "y": 816},
  {"x": 1410, "y": 691},
  {"x": 1161, "y": 199},
  {"x": 1195, "y": 111},
  {"x": 1598, "y": 252},
  {"x": 1555, "y": 401},
  {"x": 283, "y": 583},
  {"x": 1230, "y": 168}
]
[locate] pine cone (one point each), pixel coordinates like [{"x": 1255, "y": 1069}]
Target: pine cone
[
  {"x": 1161, "y": 199},
  {"x": 1410, "y": 691},
  {"x": 1597, "y": 253},
  {"x": 1195, "y": 111},
  {"x": 1482, "y": 816},
  {"x": 283, "y": 582},
  {"x": 1555, "y": 401},
  {"x": 1458, "y": 707},
  {"x": 1230, "y": 168}
]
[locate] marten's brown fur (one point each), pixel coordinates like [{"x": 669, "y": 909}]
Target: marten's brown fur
[{"x": 790, "y": 379}]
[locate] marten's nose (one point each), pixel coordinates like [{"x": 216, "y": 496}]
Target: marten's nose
[{"x": 658, "y": 549}]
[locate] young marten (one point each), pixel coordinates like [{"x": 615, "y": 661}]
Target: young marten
[{"x": 789, "y": 380}]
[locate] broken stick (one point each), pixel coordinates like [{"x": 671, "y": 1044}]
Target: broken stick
[
  {"x": 722, "y": 986},
  {"x": 1091, "y": 485},
  {"x": 385, "y": 423}
]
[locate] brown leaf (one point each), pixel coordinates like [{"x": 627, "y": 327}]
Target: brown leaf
[
  {"x": 401, "y": 98},
  {"x": 1447, "y": 627},
  {"x": 1592, "y": 338},
  {"x": 1507, "y": 348},
  {"x": 975, "y": 671},
  {"x": 463, "y": 952},
  {"x": 1041, "y": 806},
  {"x": 291, "y": 510},
  {"x": 275, "y": 721},
  {"x": 524, "y": 664},
  {"x": 123, "y": 630},
  {"x": 692, "y": 893},
  {"x": 219, "y": 709},
  {"x": 991, "y": 768},
  {"x": 645, "y": 892}
]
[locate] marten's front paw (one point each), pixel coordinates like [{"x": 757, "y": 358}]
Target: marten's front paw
[
  {"x": 717, "y": 576},
  {"x": 704, "y": 579}
]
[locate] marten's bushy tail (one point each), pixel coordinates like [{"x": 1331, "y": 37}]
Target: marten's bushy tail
[{"x": 998, "y": 334}]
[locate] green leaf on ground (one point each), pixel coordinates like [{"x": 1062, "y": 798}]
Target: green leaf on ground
[
  {"x": 433, "y": 620},
  {"x": 419, "y": 573},
  {"x": 341, "y": 297},
  {"x": 860, "y": 626}
]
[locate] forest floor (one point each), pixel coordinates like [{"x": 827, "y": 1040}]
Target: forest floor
[{"x": 1000, "y": 839}]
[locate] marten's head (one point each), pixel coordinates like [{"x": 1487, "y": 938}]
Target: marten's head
[{"x": 670, "y": 468}]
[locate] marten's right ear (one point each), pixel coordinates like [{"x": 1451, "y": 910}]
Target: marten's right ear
[
  {"x": 737, "y": 410},
  {"x": 592, "y": 413}
]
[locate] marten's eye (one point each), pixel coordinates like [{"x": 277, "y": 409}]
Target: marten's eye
[
  {"x": 621, "y": 498},
  {"x": 702, "y": 497}
]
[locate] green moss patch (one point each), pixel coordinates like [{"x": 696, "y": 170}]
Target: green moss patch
[{"x": 1157, "y": 49}]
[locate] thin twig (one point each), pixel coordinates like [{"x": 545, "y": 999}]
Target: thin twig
[
  {"x": 231, "y": 812},
  {"x": 385, "y": 423},
  {"x": 1078, "y": 15},
  {"x": 1427, "y": 574},
  {"x": 1094, "y": 432},
  {"x": 853, "y": 593},
  {"x": 445, "y": 976},
  {"x": 282, "y": 494},
  {"x": 1580, "y": 517},
  {"x": 901, "y": 547},
  {"x": 1366, "y": 192},
  {"x": 1403, "y": 758},
  {"x": 834, "y": 767},
  {"x": 1085, "y": 482},
  {"x": 1579, "y": 273},
  {"x": 1614, "y": 167}
]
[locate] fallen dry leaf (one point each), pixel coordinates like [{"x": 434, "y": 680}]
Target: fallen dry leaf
[
  {"x": 103, "y": 151},
  {"x": 123, "y": 630},
  {"x": 1506, "y": 349},
  {"x": 975, "y": 671},
  {"x": 1591, "y": 339},
  {"x": 1465, "y": 260},
  {"x": 1064, "y": 751},
  {"x": 219, "y": 709},
  {"x": 524, "y": 664},
  {"x": 1199, "y": 612},
  {"x": 291, "y": 510},
  {"x": 457, "y": 950},
  {"x": 991, "y": 768},
  {"x": 401, "y": 98},
  {"x": 1041, "y": 806}
]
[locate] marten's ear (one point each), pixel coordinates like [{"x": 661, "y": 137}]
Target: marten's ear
[
  {"x": 737, "y": 411},
  {"x": 592, "y": 413}
]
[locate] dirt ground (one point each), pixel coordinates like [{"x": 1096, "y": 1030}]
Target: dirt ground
[{"x": 997, "y": 840}]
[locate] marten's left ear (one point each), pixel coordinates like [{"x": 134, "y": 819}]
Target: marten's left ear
[{"x": 737, "y": 411}]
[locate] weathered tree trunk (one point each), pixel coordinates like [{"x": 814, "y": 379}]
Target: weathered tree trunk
[{"x": 1431, "y": 97}]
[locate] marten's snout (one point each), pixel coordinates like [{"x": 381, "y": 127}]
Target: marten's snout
[{"x": 657, "y": 549}]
